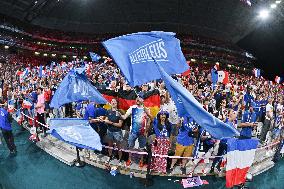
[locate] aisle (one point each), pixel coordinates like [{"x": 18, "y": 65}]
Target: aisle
[{"x": 32, "y": 168}]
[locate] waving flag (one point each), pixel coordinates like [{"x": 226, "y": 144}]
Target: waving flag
[
  {"x": 256, "y": 72},
  {"x": 76, "y": 87},
  {"x": 240, "y": 156},
  {"x": 134, "y": 55},
  {"x": 214, "y": 76},
  {"x": 223, "y": 77},
  {"x": 95, "y": 57},
  {"x": 41, "y": 71},
  {"x": 187, "y": 104},
  {"x": 27, "y": 103},
  {"x": 11, "y": 105},
  {"x": 278, "y": 79},
  {"x": 77, "y": 132}
]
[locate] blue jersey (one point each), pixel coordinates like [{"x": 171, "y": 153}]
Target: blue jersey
[
  {"x": 248, "y": 117},
  {"x": 4, "y": 120},
  {"x": 185, "y": 135}
]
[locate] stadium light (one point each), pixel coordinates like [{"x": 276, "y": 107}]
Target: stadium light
[
  {"x": 277, "y": 2},
  {"x": 6, "y": 47},
  {"x": 273, "y": 6},
  {"x": 45, "y": 54},
  {"x": 74, "y": 56},
  {"x": 63, "y": 56},
  {"x": 192, "y": 60},
  {"x": 53, "y": 55},
  {"x": 37, "y": 53},
  {"x": 85, "y": 57},
  {"x": 263, "y": 14}
]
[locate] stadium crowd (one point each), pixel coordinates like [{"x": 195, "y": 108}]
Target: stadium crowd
[{"x": 253, "y": 105}]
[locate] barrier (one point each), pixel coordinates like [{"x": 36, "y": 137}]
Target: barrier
[{"x": 158, "y": 155}]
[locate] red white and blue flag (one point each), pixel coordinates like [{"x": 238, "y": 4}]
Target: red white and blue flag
[
  {"x": 256, "y": 72},
  {"x": 278, "y": 79},
  {"x": 240, "y": 156},
  {"x": 27, "y": 103}
]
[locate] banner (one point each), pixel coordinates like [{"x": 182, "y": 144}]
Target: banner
[
  {"x": 76, "y": 87},
  {"x": 77, "y": 132},
  {"x": 134, "y": 53}
]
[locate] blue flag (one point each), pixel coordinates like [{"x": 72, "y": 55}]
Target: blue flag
[
  {"x": 76, "y": 87},
  {"x": 187, "y": 104},
  {"x": 214, "y": 77},
  {"x": 134, "y": 54},
  {"x": 95, "y": 57},
  {"x": 77, "y": 132}
]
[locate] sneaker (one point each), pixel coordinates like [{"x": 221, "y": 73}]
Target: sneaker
[
  {"x": 141, "y": 164},
  {"x": 128, "y": 163}
]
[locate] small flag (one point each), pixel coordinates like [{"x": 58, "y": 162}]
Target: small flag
[
  {"x": 278, "y": 79},
  {"x": 27, "y": 103},
  {"x": 256, "y": 72},
  {"x": 223, "y": 77},
  {"x": 95, "y": 57}
]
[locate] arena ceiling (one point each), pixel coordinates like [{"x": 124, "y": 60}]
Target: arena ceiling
[{"x": 224, "y": 19}]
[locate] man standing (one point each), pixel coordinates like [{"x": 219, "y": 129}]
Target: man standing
[
  {"x": 139, "y": 126},
  {"x": 40, "y": 105},
  {"x": 5, "y": 125},
  {"x": 248, "y": 122},
  {"x": 267, "y": 121}
]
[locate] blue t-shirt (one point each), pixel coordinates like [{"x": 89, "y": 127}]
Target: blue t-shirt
[
  {"x": 248, "y": 117},
  {"x": 185, "y": 135},
  {"x": 162, "y": 133},
  {"x": 4, "y": 121}
]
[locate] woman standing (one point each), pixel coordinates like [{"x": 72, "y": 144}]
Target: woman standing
[{"x": 161, "y": 145}]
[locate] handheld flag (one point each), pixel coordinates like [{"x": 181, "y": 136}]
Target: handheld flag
[
  {"x": 134, "y": 53},
  {"x": 187, "y": 104},
  {"x": 76, "y": 87},
  {"x": 278, "y": 79},
  {"x": 77, "y": 132},
  {"x": 240, "y": 156},
  {"x": 223, "y": 77},
  {"x": 256, "y": 72},
  {"x": 95, "y": 57}
]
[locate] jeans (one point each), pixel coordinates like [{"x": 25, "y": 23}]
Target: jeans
[
  {"x": 132, "y": 138},
  {"x": 9, "y": 138}
]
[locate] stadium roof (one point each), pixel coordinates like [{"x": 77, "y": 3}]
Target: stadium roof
[{"x": 229, "y": 20}]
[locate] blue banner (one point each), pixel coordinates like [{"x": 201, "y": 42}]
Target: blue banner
[
  {"x": 187, "y": 105},
  {"x": 76, "y": 87},
  {"x": 77, "y": 132},
  {"x": 134, "y": 54}
]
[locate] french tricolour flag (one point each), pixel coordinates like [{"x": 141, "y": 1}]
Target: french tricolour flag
[
  {"x": 277, "y": 79},
  {"x": 27, "y": 104},
  {"x": 223, "y": 77},
  {"x": 240, "y": 156},
  {"x": 256, "y": 72}
]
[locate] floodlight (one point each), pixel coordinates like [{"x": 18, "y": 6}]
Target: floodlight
[{"x": 263, "y": 14}]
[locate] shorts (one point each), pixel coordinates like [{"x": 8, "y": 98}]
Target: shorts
[
  {"x": 183, "y": 151},
  {"x": 132, "y": 138},
  {"x": 114, "y": 136}
]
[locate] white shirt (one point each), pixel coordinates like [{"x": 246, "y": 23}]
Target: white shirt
[{"x": 171, "y": 109}]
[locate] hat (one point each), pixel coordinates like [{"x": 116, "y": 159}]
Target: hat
[{"x": 163, "y": 113}]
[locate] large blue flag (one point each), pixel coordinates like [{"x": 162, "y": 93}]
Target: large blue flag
[
  {"x": 77, "y": 132},
  {"x": 187, "y": 104},
  {"x": 95, "y": 57},
  {"x": 134, "y": 54},
  {"x": 76, "y": 87}
]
